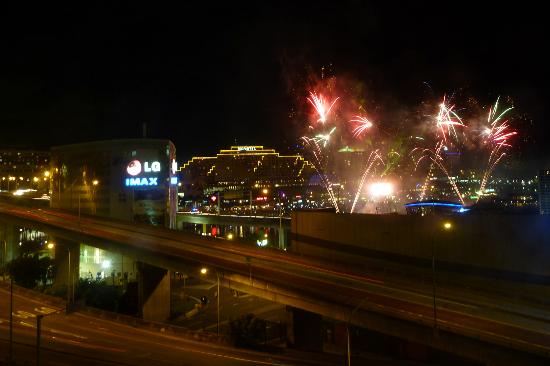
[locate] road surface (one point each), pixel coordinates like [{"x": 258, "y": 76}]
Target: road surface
[{"x": 93, "y": 341}]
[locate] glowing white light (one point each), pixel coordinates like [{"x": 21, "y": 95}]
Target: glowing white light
[
  {"x": 261, "y": 243},
  {"x": 174, "y": 166},
  {"x": 381, "y": 189},
  {"x": 106, "y": 264},
  {"x": 134, "y": 168}
]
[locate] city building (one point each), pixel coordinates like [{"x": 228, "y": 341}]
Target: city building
[
  {"x": 544, "y": 192},
  {"x": 22, "y": 169},
  {"x": 132, "y": 180},
  {"x": 518, "y": 194},
  {"x": 247, "y": 177}
]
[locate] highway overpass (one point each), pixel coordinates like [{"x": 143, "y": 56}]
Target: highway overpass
[{"x": 469, "y": 327}]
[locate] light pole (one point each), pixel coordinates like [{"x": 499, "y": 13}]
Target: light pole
[
  {"x": 10, "y": 353},
  {"x": 70, "y": 282},
  {"x": 446, "y": 226},
  {"x": 38, "y": 328},
  {"x": 218, "y": 304},
  {"x": 39, "y": 318},
  {"x": 281, "y": 236},
  {"x": 95, "y": 182},
  {"x": 4, "y": 255},
  {"x": 204, "y": 271},
  {"x": 347, "y": 328},
  {"x": 433, "y": 288}
]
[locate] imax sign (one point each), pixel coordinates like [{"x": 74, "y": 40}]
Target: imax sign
[{"x": 141, "y": 182}]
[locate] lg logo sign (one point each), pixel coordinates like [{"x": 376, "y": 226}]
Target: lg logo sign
[{"x": 134, "y": 167}]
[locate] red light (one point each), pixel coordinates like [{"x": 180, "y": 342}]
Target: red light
[{"x": 214, "y": 230}]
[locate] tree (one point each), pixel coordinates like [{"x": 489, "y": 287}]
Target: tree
[
  {"x": 247, "y": 331},
  {"x": 27, "y": 270}
]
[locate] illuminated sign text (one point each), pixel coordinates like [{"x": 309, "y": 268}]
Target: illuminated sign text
[
  {"x": 135, "y": 167},
  {"x": 141, "y": 182}
]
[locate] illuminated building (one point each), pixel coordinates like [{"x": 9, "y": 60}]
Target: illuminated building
[
  {"x": 249, "y": 176},
  {"x": 130, "y": 179},
  {"x": 24, "y": 169},
  {"x": 544, "y": 192},
  {"x": 244, "y": 168}
]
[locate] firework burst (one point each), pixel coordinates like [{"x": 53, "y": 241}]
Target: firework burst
[
  {"x": 324, "y": 138},
  {"x": 362, "y": 125},
  {"x": 319, "y": 163},
  {"x": 496, "y": 134},
  {"x": 374, "y": 158},
  {"x": 322, "y": 107},
  {"x": 434, "y": 155},
  {"x": 447, "y": 120}
]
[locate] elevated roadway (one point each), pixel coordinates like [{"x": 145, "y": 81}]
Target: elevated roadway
[
  {"x": 209, "y": 219},
  {"x": 467, "y": 327}
]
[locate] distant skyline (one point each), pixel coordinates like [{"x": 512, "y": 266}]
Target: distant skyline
[{"x": 204, "y": 76}]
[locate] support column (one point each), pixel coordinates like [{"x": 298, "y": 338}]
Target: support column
[
  {"x": 67, "y": 259},
  {"x": 304, "y": 330},
  {"x": 282, "y": 238},
  {"x": 9, "y": 241},
  {"x": 153, "y": 292}
]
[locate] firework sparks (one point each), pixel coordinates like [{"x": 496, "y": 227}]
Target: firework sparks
[
  {"x": 363, "y": 124},
  {"x": 319, "y": 163},
  {"x": 321, "y": 106},
  {"x": 497, "y": 135},
  {"x": 374, "y": 157},
  {"x": 324, "y": 138},
  {"x": 435, "y": 156},
  {"x": 447, "y": 120}
]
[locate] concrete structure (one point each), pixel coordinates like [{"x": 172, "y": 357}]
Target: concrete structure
[
  {"x": 304, "y": 329},
  {"x": 153, "y": 292},
  {"x": 465, "y": 326},
  {"x": 500, "y": 246},
  {"x": 9, "y": 238},
  {"x": 237, "y": 225},
  {"x": 67, "y": 258},
  {"x": 132, "y": 180}
]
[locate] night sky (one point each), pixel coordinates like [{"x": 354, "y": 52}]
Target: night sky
[{"x": 205, "y": 76}]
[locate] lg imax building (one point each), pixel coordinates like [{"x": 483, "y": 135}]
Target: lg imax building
[{"x": 132, "y": 180}]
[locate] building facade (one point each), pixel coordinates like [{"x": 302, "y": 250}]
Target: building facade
[
  {"x": 132, "y": 180},
  {"x": 544, "y": 192},
  {"x": 246, "y": 178}
]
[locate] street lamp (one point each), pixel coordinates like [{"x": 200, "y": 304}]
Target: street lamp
[
  {"x": 204, "y": 271},
  {"x": 347, "y": 328},
  {"x": 39, "y": 318},
  {"x": 447, "y": 226}
]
